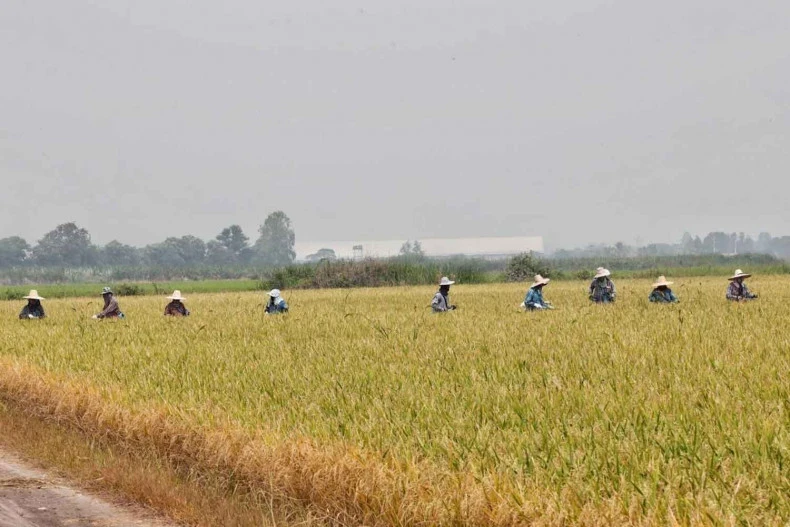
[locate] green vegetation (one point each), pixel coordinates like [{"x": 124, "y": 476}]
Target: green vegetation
[
  {"x": 130, "y": 289},
  {"x": 595, "y": 414}
]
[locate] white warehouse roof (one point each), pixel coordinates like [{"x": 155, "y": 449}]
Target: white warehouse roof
[{"x": 437, "y": 247}]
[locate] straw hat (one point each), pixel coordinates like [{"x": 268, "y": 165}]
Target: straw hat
[
  {"x": 176, "y": 296},
  {"x": 539, "y": 280},
  {"x": 446, "y": 281},
  {"x": 662, "y": 280},
  {"x": 106, "y": 291},
  {"x": 739, "y": 274},
  {"x": 33, "y": 295},
  {"x": 274, "y": 293},
  {"x": 601, "y": 272}
]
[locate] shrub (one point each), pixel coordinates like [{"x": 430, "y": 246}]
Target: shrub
[
  {"x": 524, "y": 267},
  {"x": 129, "y": 290}
]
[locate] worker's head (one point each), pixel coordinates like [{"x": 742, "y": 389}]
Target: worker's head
[
  {"x": 444, "y": 284},
  {"x": 662, "y": 284},
  {"x": 33, "y": 298},
  {"x": 739, "y": 276},
  {"x": 601, "y": 274}
]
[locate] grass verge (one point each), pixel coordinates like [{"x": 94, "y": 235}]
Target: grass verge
[{"x": 209, "y": 478}]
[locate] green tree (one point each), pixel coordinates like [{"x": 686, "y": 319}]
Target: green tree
[
  {"x": 412, "y": 249},
  {"x": 192, "y": 249},
  {"x": 322, "y": 254},
  {"x": 275, "y": 245},
  {"x": 219, "y": 254},
  {"x": 66, "y": 245},
  {"x": 235, "y": 242},
  {"x": 13, "y": 251},
  {"x": 116, "y": 253},
  {"x": 164, "y": 254}
]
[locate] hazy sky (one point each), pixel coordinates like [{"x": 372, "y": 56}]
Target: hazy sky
[{"x": 581, "y": 121}]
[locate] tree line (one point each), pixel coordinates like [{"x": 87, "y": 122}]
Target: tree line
[
  {"x": 69, "y": 245},
  {"x": 713, "y": 243}
]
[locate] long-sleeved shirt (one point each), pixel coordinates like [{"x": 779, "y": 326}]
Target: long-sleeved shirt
[
  {"x": 278, "y": 306},
  {"x": 176, "y": 309},
  {"x": 602, "y": 291},
  {"x": 37, "y": 311},
  {"x": 111, "y": 309},
  {"x": 441, "y": 303},
  {"x": 534, "y": 299},
  {"x": 663, "y": 297},
  {"x": 739, "y": 291}
]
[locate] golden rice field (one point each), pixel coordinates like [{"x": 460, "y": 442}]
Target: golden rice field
[{"x": 364, "y": 408}]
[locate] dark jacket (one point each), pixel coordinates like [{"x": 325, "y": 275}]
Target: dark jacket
[{"x": 37, "y": 310}]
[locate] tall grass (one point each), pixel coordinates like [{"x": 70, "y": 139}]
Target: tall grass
[{"x": 630, "y": 413}]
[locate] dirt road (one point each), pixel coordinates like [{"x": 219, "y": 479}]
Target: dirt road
[{"x": 33, "y": 498}]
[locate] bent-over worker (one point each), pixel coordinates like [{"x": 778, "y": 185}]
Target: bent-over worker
[
  {"x": 661, "y": 293},
  {"x": 534, "y": 299},
  {"x": 33, "y": 309},
  {"x": 176, "y": 307}
]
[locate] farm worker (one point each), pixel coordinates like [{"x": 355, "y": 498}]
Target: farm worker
[
  {"x": 33, "y": 309},
  {"x": 277, "y": 303},
  {"x": 662, "y": 294},
  {"x": 534, "y": 299},
  {"x": 602, "y": 288},
  {"x": 176, "y": 307},
  {"x": 441, "y": 300},
  {"x": 111, "y": 308},
  {"x": 737, "y": 290}
]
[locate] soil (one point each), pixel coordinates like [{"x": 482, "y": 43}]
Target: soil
[{"x": 30, "y": 497}]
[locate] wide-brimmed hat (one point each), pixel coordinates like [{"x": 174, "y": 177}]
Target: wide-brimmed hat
[
  {"x": 176, "y": 296},
  {"x": 274, "y": 293},
  {"x": 446, "y": 281},
  {"x": 739, "y": 274},
  {"x": 601, "y": 272},
  {"x": 539, "y": 280},
  {"x": 106, "y": 291},
  {"x": 33, "y": 295},
  {"x": 662, "y": 280}
]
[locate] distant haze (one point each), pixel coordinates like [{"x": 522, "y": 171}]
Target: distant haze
[{"x": 580, "y": 121}]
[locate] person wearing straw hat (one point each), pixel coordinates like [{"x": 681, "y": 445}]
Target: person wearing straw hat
[
  {"x": 661, "y": 293},
  {"x": 737, "y": 290},
  {"x": 277, "y": 303},
  {"x": 602, "y": 289},
  {"x": 33, "y": 309},
  {"x": 534, "y": 299},
  {"x": 111, "y": 307},
  {"x": 441, "y": 300},
  {"x": 176, "y": 307}
]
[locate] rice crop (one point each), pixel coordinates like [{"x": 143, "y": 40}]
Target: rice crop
[{"x": 629, "y": 413}]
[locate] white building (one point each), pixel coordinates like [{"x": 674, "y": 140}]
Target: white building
[{"x": 433, "y": 247}]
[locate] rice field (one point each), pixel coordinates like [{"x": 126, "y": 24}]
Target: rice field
[{"x": 629, "y": 413}]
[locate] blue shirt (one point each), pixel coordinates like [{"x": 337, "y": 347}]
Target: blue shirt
[
  {"x": 277, "y": 307},
  {"x": 602, "y": 290},
  {"x": 663, "y": 297},
  {"x": 534, "y": 299}
]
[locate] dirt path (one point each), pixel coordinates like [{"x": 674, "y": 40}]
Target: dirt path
[{"x": 33, "y": 498}]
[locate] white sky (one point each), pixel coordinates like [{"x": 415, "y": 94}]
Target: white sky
[{"x": 583, "y": 122}]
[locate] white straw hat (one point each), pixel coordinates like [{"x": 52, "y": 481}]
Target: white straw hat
[
  {"x": 601, "y": 272},
  {"x": 662, "y": 280},
  {"x": 33, "y": 295},
  {"x": 274, "y": 293},
  {"x": 446, "y": 281},
  {"x": 739, "y": 274},
  {"x": 176, "y": 296},
  {"x": 106, "y": 291},
  {"x": 539, "y": 280}
]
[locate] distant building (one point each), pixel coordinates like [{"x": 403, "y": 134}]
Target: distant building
[{"x": 433, "y": 247}]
